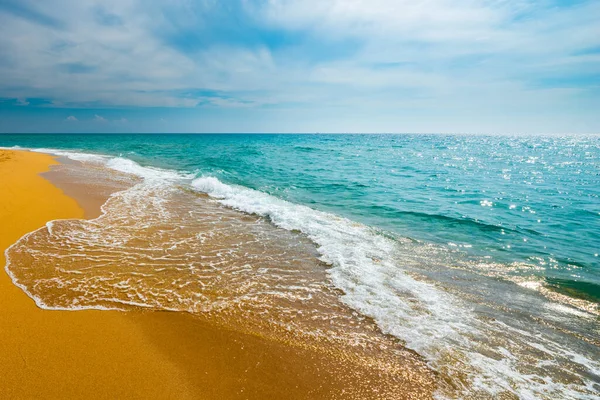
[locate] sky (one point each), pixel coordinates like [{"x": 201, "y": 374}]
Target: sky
[{"x": 401, "y": 66}]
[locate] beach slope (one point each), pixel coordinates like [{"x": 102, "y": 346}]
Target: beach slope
[
  {"x": 47, "y": 354},
  {"x": 143, "y": 354}
]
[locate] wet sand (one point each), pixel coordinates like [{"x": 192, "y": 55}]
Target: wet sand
[{"x": 145, "y": 354}]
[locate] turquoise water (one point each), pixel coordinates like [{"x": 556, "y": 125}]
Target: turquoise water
[
  {"x": 478, "y": 252},
  {"x": 532, "y": 200}
]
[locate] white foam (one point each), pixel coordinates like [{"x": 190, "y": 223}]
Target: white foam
[
  {"x": 74, "y": 155},
  {"x": 362, "y": 261},
  {"x": 119, "y": 164},
  {"x": 213, "y": 187},
  {"x": 38, "y": 301},
  {"x": 367, "y": 267},
  {"x": 128, "y": 166}
]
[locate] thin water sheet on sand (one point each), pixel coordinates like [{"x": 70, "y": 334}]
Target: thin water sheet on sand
[
  {"x": 228, "y": 270},
  {"x": 259, "y": 265}
]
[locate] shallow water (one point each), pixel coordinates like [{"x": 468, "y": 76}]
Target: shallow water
[{"x": 479, "y": 253}]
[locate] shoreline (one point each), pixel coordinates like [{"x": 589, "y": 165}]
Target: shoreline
[
  {"x": 131, "y": 351},
  {"x": 48, "y": 354}
]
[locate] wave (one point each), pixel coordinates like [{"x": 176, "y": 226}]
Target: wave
[
  {"x": 367, "y": 265},
  {"x": 453, "y": 221},
  {"x": 307, "y": 149},
  {"x": 75, "y": 156}
]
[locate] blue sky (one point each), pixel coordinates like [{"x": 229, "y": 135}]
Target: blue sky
[{"x": 473, "y": 66}]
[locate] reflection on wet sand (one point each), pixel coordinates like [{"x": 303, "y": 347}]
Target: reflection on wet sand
[{"x": 162, "y": 247}]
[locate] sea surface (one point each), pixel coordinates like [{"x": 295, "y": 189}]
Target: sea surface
[{"x": 480, "y": 253}]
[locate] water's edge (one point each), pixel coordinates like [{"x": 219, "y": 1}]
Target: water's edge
[{"x": 405, "y": 302}]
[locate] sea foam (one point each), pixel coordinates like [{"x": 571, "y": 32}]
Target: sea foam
[{"x": 366, "y": 265}]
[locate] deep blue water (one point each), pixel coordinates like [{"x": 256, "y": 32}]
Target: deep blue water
[{"x": 520, "y": 201}]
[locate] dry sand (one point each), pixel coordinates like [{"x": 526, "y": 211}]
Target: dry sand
[{"x": 110, "y": 354}]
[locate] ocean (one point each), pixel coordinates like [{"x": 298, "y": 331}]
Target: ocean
[{"x": 480, "y": 253}]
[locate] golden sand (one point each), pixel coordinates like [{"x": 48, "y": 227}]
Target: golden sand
[
  {"x": 47, "y": 354},
  {"x": 111, "y": 354}
]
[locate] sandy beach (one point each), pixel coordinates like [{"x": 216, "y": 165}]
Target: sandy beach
[
  {"x": 145, "y": 354},
  {"x": 65, "y": 354},
  {"x": 299, "y": 199}
]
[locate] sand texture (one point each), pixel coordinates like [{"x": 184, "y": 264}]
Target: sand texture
[{"x": 96, "y": 354}]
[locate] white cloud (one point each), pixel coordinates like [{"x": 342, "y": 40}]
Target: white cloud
[
  {"x": 71, "y": 118},
  {"x": 436, "y": 54},
  {"x": 431, "y": 20},
  {"x": 98, "y": 118}
]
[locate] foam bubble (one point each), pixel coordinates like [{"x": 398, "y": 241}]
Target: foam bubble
[
  {"x": 119, "y": 164},
  {"x": 363, "y": 264},
  {"x": 74, "y": 155},
  {"x": 128, "y": 166},
  {"x": 213, "y": 187},
  {"x": 367, "y": 267}
]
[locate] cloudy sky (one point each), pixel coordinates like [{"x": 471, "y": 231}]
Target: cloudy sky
[{"x": 479, "y": 66}]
